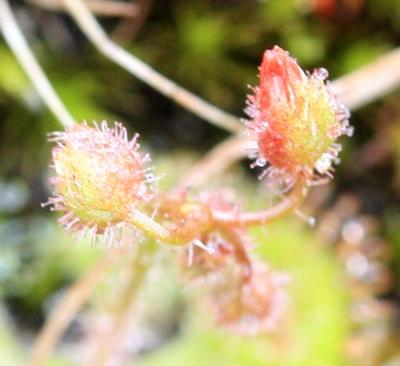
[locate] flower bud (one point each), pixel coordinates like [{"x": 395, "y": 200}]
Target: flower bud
[
  {"x": 99, "y": 176},
  {"x": 256, "y": 306},
  {"x": 294, "y": 118}
]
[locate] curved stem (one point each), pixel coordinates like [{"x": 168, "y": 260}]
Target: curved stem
[
  {"x": 105, "y": 8},
  {"x": 288, "y": 204},
  {"x": 153, "y": 229},
  {"x": 92, "y": 29},
  {"x": 236, "y": 239},
  {"x": 65, "y": 311},
  {"x": 222, "y": 218},
  {"x": 16, "y": 41}
]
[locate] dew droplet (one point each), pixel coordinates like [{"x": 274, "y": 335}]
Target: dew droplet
[
  {"x": 321, "y": 73},
  {"x": 311, "y": 221},
  {"x": 261, "y": 162},
  {"x": 324, "y": 163}
]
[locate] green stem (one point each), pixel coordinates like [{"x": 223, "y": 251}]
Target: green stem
[{"x": 152, "y": 228}]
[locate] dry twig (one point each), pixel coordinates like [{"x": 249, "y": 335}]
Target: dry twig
[
  {"x": 16, "y": 41},
  {"x": 370, "y": 82},
  {"x": 223, "y": 155},
  {"x": 126, "y": 29},
  {"x": 99, "y": 7},
  {"x": 92, "y": 29}
]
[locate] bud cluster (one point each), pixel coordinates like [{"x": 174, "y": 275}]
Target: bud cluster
[
  {"x": 101, "y": 183},
  {"x": 255, "y": 306}
]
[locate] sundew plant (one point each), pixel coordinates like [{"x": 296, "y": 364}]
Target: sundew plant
[
  {"x": 101, "y": 184},
  {"x": 201, "y": 247}
]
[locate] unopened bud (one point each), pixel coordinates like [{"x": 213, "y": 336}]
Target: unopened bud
[
  {"x": 295, "y": 118},
  {"x": 99, "y": 176}
]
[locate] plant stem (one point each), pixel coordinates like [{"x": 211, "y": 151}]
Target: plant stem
[
  {"x": 222, "y": 219},
  {"x": 126, "y": 30},
  {"x": 100, "y": 7},
  {"x": 65, "y": 311},
  {"x": 150, "y": 227},
  {"x": 236, "y": 239},
  {"x": 288, "y": 204},
  {"x": 369, "y": 82},
  {"x": 16, "y": 41},
  {"x": 92, "y": 29}
]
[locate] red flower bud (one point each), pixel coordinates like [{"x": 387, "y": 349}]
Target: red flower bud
[{"x": 294, "y": 118}]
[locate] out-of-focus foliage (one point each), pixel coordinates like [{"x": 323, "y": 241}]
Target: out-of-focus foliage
[
  {"x": 212, "y": 47},
  {"x": 322, "y": 317}
]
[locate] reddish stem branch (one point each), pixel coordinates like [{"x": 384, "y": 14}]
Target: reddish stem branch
[
  {"x": 288, "y": 204},
  {"x": 236, "y": 239}
]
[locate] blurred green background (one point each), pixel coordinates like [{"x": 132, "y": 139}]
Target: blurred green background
[{"x": 345, "y": 270}]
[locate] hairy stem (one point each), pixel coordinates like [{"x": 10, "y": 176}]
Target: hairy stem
[
  {"x": 16, "y": 41},
  {"x": 65, "y": 311}
]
